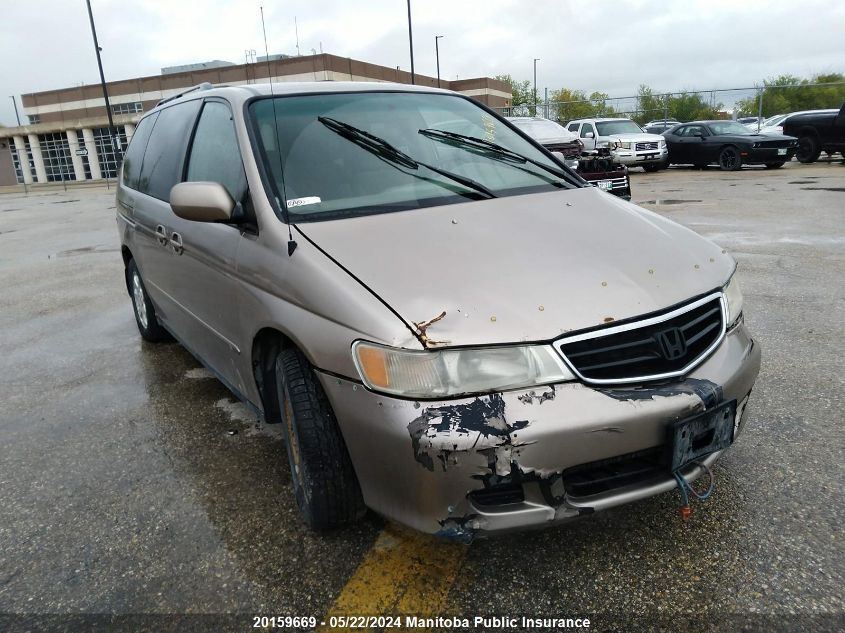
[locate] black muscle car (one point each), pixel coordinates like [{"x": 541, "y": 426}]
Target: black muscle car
[
  {"x": 728, "y": 144},
  {"x": 817, "y": 131}
]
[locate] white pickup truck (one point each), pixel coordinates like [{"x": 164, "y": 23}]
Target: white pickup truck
[{"x": 634, "y": 147}]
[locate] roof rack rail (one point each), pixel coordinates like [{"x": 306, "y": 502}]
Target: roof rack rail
[{"x": 203, "y": 86}]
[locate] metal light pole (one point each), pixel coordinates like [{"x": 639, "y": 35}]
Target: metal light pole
[
  {"x": 18, "y": 116},
  {"x": 114, "y": 138},
  {"x": 437, "y": 53},
  {"x": 537, "y": 59},
  {"x": 411, "y": 43}
]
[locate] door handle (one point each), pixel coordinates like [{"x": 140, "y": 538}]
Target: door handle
[
  {"x": 176, "y": 243},
  {"x": 161, "y": 235}
]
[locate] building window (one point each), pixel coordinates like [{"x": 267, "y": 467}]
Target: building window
[
  {"x": 34, "y": 118},
  {"x": 16, "y": 161},
  {"x": 109, "y": 161},
  {"x": 127, "y": 108},
  {"x": 55, "y": 152}
]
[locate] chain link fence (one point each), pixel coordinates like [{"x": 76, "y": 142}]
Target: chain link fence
[{"x": 686, "y": 105}]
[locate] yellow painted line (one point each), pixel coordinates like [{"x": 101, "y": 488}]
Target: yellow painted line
[{"x": 403, "y": 573}]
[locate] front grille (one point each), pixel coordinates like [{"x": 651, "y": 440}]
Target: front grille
[
  {"x": 658, "y": 347},
  {"x": 648, "y": 145},
  {"x": 572, "y": 149},
  {"x": 609, "y": 474},
  {"x": 778, "y": 144},
  {"x": 499, "y": 495}
]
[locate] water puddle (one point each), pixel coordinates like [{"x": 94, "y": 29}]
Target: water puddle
[
  {"x": 668, "y": 201},
  {"x": 84, "y": 250}
]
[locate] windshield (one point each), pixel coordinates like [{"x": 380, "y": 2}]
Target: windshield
[
  {"x": 541, "y": 129},
  {"x": 774, "y": 120},
  {"x": 730, "y": 127},
  {"x": 330, "y": 173},
  {"x": 609, "y": 128}
]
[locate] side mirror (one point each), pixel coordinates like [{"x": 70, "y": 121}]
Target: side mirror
[
  {"x": 202, "y": 202},
  {"x": 589, "y": 135}
]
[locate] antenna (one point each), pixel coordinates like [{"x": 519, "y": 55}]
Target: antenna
[
  {"x": 296, "y": 30},
  {"x": 283, "y": 205}
]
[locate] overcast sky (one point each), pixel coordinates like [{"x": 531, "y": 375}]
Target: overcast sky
[{"x": 582, "y": 44}]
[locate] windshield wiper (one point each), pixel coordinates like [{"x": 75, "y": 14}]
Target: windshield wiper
[
  {"x": 381, "y": 148},
  {"x": 453, "y": 138}
]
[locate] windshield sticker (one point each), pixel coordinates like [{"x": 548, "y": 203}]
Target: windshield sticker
[
  {"x": 489, "y": 124},
  {"x": 301, "y": 202}
]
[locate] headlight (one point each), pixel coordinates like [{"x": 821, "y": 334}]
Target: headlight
[
  {"x": 452, "y": 372},
  {"x": 661, "y": 144},
  {"x": 623, "y": 145},
  {"x": 733, "y": 296}
]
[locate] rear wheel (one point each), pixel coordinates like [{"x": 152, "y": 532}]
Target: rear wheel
[
  {"x": 324, "y": 482},
  {"x": 729, "y": 159},
  {"x": 145, "y": 313},
  {"x": 808, "y": 149},
  {"x": 775, "y": 165}
]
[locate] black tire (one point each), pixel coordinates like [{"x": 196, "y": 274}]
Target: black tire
[
  {"x": 324, "y": 482},
  {"x": 809, "y": 149},
  {"x": 775, "y": 165},
  {"x": 730, "y": 159},
  {"x": 145, "y": 312},
  {"x": 652, "y": 167}
]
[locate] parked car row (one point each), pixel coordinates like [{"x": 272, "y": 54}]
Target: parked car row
[
  {"x": 728, "y": 144},
  {"x": 597, "y": 166}
]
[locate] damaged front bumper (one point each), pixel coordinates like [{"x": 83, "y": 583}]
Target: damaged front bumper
[{"x": 529, "y": 458}]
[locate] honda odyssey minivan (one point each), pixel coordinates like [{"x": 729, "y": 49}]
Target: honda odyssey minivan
[{"x": 452, "y": 328}]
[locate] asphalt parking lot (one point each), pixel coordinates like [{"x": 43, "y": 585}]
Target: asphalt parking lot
[{"x": 132, "y": 482}]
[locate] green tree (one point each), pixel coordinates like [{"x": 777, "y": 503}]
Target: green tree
[
  {"x": 522, "y": 91},
  {"x": 788, "y": 93},
  {"x": 649, "y": 105},
  {"x": 683, "y": 106},
  {"x": 691, "y": 106},
  {"x": 568, "y": 105}
]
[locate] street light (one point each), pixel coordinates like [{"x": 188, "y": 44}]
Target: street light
[
  {"x": 536, "y": 59},
  {"x": 118, "y": 151},
  {"x": 411, "y": 42},
  {"x": 18, "y": 116},
  {"x": 437, "y": 53}
]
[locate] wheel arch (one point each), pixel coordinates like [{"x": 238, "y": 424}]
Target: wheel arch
[
  {"x": 127, "y": 257},
  {"x": 266, "y": 345}
]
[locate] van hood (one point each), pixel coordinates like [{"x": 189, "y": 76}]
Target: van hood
[{"x": 523, "y": 268}]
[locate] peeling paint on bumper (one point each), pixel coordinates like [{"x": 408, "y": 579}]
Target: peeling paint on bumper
[{"x": 418, "y": 462}]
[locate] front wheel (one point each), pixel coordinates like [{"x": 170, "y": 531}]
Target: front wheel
[
  {"x": 652, "y": 167},
  {"x": 729, "y": 159},
  {"x": 775, "y": 165},
  {"x": 324, "y": 482},
  {"x": 808, "y": 149},
  {"x": 145, "y": 313}
]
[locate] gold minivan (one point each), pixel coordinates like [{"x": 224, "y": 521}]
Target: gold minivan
[{"x": 453, "y": 328}]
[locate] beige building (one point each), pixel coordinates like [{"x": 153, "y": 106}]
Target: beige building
[{"x": 67, "y": 136}]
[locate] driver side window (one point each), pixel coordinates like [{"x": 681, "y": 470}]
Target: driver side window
[
  {"x": 215, "y": 156},
  {"x": 587, "y": 127}
]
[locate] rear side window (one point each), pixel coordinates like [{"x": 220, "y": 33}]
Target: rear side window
[
  {"x": 165, "y": 153},
  {"x": 215, "y": 156},
  {"x": 135, "y": 152},
  {"x": 573, "y": 127}
]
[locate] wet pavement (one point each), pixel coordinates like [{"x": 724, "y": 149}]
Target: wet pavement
[{"x": 132, "y": 481}]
